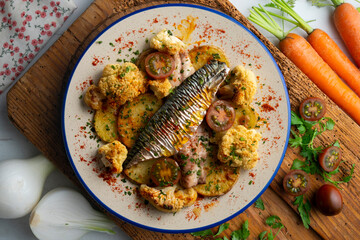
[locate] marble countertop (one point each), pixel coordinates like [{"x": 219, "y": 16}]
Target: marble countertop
[{"x": 13, "y": 145}]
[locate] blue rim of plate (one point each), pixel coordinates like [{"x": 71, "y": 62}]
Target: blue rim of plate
[{"x": 159, "y": 229}]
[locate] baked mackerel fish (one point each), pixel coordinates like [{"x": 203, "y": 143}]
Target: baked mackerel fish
[{"x": 182, "y": 113}]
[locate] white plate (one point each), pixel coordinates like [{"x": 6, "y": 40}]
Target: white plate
[{"x": 129, "y": 34}]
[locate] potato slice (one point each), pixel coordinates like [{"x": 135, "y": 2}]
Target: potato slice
[
  {"x": 220, "y": 179},
  {"x": 199, "y": 56},
  {"x": 134, "y": 115},
  {"x": 140, "y": 173},
  {"x": 105, "y": 123}
]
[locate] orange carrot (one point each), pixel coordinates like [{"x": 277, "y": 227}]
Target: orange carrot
[
  {"x": 337, "y": 60},
  {"x": 300, "y": 52},
  {"x": 347, "y": 23},
  {"x": 326, "y": 48}
]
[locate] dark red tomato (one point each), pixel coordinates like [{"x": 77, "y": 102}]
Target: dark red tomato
[
  {"x": 330, "y": 158},
  {"x": 312, "y": 109},
  {"x": 159, "y": 65},
  {"x": 165, "y": 172},
  {"x": 329, "y": 200},
  {"x": 296, "y": 182},
  {"x": 220, "y": 116}
]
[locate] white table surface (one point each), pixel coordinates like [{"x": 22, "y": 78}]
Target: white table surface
[{"x": 13, "y": 145}]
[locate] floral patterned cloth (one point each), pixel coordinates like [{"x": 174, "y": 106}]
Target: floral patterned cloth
[{"x": 25, "y": 26}]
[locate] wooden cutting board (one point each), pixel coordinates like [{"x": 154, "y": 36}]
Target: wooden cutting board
[{"x": 34, "y": 106}]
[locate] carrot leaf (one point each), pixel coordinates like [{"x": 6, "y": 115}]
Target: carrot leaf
[{"x": 320, "y": 3}]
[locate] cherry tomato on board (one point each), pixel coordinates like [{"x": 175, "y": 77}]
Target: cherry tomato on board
[
  {"x": 312, "y": 109},
  {"x": 330, "y": 158},
  {"x": 220, "y": 116},
  {"x": 165, "y": 172},
  {"x": 159, "y": 65},
  {"x": 296, "y": 182},
  {"x": 329, "y": 200}
]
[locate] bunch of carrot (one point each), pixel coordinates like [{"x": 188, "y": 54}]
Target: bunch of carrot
[{"x": 318, "y": 57}]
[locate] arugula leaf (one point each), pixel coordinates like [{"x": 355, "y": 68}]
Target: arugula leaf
[
  {"x": 259, "y": 204},
  {"x": 222, "y": 228},
  {"x": 304, "y": 210},
  {"x": 241, "y": 234},
  {"x": 203, "y": 233}
]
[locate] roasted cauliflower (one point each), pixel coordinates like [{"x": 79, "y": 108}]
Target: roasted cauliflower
[
  {"x": 243, "y": 84},
  {"x": 122, "y": 83},
  {"x": 166, "y": 42},
  {"x": 161, "y": 87},
  {"x": 94, "y": 98},
  {"x": 168, "y": 199},
  {"x": 238, "y": 147},
  {"x": 113, "y": 155}
]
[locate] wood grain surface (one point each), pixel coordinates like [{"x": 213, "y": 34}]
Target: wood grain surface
[{"x": 34, "y": 106}]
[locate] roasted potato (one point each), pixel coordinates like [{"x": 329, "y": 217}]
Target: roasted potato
[
  {"x": 134, "y": 115},
  {"x": 219, "y": 180},
  {"x": 140, "y": 173},
  {"x": 105, "y": 123},
  {"x": 199, "y": 56}
]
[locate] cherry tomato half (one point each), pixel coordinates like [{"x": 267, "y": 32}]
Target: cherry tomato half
[
  {"x": 296, "y": 182},
  {"x": 159, "y": 65},
  {"x": 329, "y": 200},
  {"x": 330, "y": 158},
  {"x": 312, "y": 109},
  {"x": 220, "y": 116},
  {"x": 165, "y": 172}
]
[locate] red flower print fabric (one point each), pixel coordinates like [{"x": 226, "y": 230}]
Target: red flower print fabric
[{"x": 25, "y": 26}]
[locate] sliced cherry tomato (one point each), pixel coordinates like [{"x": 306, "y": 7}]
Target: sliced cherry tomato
[
  {"x": 159, "y": 65},
  {"x": 312, "y": 109},
  {"x": 329, "y": 200},
  {"x": 330, "y": 158},
  {"x": 220, "y": 116},
  {"x": 165, "y": 172},
  {"x": 296, "y": 182}
]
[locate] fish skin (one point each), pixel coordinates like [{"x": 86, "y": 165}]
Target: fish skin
[{"x": 178, "y": 119}]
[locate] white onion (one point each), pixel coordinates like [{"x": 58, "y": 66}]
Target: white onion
[
  {"x": 21, "y": 185},
  {"x": 65, "y": 214}
]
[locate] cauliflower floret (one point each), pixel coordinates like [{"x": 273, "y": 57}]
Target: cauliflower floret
[
  {"x": 165, "y": 41},
  {"x": 238, "y": 147},
  {"x": 113, "y": 155},
  {"x": 161, "y": 87},
  {"x": 94, "y": 98},
  {"x": 243, "y": 83},
  {"x": 168, "y": 199},
  {"x": 122, "y": 83}
]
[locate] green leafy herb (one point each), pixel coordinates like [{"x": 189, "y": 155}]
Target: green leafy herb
[
  {"x": 307, "y": 132},
  {"x": 222, "y": 228},
  {"x": 320, "y": 3},
  {"x": 304, "y": 210},
  {"x": 241, "y": 234},
  {"x": 204, "y": 233},
  {"x": 275, "y": 223},
  {"x": 259, "y": 204}
]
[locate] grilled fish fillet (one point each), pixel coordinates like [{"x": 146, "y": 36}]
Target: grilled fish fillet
[{"x": 178, "y": 119}]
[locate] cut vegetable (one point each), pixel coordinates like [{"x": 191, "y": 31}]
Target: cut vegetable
[
  {"x": 159, "y": 65},
  {"x": 330, "y": 158},
  {"x": 312, "y": 109},
  {"x": 220, "y": 116},
  {"x": 296, "y": 182},
  {"x": 165, "y": 172}
]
